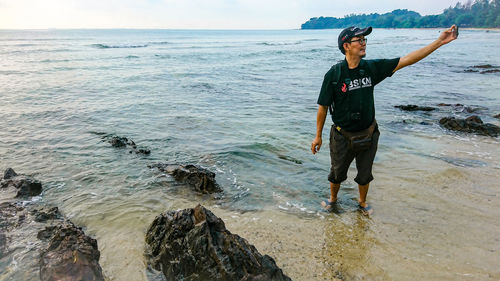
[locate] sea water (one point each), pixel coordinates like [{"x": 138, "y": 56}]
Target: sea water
[{"x": 243, "y": 105}]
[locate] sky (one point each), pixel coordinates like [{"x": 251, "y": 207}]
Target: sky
[{"x": 193, "y": 14}]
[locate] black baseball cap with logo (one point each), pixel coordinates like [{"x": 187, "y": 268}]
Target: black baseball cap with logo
[{"x": 353, "y": 31}]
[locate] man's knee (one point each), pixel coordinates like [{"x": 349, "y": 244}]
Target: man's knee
[
  {"x": 363, "y": 179},
  {"x": 336, "y": 180}
]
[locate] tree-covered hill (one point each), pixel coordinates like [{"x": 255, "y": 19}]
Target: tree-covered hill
[{"x": 480, "y": 13}]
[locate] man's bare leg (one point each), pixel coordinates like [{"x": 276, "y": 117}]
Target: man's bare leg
[
  {"x": 334, "y": 190},
  {"x": 363, "y": 191}
]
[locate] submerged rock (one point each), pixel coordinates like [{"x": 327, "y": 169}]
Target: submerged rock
[
  {"x": 487, "y": 68},
  {"x": 472, "y": 124},
  {"x": 22, "y": 185},
  {"x": 449, "y": 104},
  {"x": 46, "y": 213},
  {"x": 490, "y": 71},
  {"x": 202, "y": 180},
  {"x": 71, "y": 255},
  {"x": 117, "y": 141},
  {"x": 289, "y": 158},
  {"x": 194, "y": 244},
  {"x": 414, "y": 107},
  {"x": 66, "y": 252}
]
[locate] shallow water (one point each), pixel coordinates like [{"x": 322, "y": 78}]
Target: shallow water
[{"x": 243, "y": 104}]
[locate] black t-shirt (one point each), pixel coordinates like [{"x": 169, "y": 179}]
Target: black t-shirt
[{"x": 353, "y": 104}]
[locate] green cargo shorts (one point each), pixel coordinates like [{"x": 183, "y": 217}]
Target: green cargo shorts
[{"x": 341, "y": 158}]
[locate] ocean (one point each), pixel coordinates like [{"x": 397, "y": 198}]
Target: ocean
[{"x": 242, "y": 104}]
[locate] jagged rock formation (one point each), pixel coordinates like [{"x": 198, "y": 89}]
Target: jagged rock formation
[
  {"x": 70, "y": 255},
  {"x": 472, "y": 124},
  {"x": 117, "y": 141},
  {"x": 22, "y": 185},
  {"x": 194, "y": 244},
  {"x": 66, "y": 252},
  {"x": 202, "y": 180}
]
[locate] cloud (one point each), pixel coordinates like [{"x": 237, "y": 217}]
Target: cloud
[{"x": 209, "y": 14}]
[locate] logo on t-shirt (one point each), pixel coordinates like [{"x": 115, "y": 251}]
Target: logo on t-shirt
[
  {"x": 344, "y": 88},
  {"x": 360, "y": 83}
]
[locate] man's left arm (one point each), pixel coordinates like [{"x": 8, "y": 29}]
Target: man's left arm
[{"x": 444, "y": 38}]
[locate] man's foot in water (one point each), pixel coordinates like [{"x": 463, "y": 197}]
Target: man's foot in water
[
  {"x": 328, "y": 204},
  {"x": 365, "y": 209}
]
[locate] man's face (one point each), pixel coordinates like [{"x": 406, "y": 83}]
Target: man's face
[{"x": 356, "y": 47}]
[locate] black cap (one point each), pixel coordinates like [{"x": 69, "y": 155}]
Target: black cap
[{"x": 347, "y": 34}]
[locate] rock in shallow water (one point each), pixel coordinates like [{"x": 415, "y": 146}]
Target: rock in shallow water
[
  {"x": 71, "y": 255},
  {"x": 23, "y": 185},
  {"x": 194, "y": 244},
  {"x": 472, "y": 124},
  {"x": 202, "y": 180},
  {"x": 117, "y": 141},
  {"x": 9, "y": 173},
  {"x": 66, "y": 252},
  {"x": 414, "y": 107},
  {"x": 488, "y": 68},
  {"x": 46, "y": 213}
]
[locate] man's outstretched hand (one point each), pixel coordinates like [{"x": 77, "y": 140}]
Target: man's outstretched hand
[
  {"x": 448, "y": 35},
  {"x": 316, "y": 145}
]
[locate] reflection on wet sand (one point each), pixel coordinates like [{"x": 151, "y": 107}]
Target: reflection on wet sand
[{"x": 348, "y": 242}]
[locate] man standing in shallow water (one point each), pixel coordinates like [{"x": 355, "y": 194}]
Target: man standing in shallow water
[{"x": 348, "y": 91}]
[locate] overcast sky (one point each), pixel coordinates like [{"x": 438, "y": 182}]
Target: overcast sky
[{"x": 188, "y": 14}]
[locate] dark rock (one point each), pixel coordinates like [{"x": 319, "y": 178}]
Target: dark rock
[
  {"x": 474, "y": 118},
  {"x": 46, "y": 213},
  {"x": 472, "y": 124},
  {"x": 200, "y": 179},
  {"x": 67, "y": 254},
  {"x": 117, "y": 141},
  {"x": 9, "y": 173},
  {"x": 143, "y": 151},
  {"x": 413, "y": 107},
  {"x": 490, "y": 71},
  {"x": 71, "y": 255},
  {"x": 486, "y": 66},
  {"x": 24, "y": 185},
  {"x": 497, "y": 116},
  {"x": 447, "y": 104},
  {"x": 289, "y": 158},
  {"x": 194, "y": 244}
]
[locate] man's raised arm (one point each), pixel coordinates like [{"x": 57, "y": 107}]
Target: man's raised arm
[{"x": 444, "y": 38}]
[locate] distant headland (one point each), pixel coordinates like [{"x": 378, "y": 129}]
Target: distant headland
[{"x": 477, "y": 14}]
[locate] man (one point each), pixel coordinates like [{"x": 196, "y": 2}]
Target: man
[{"x": 348, "y": 90}]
